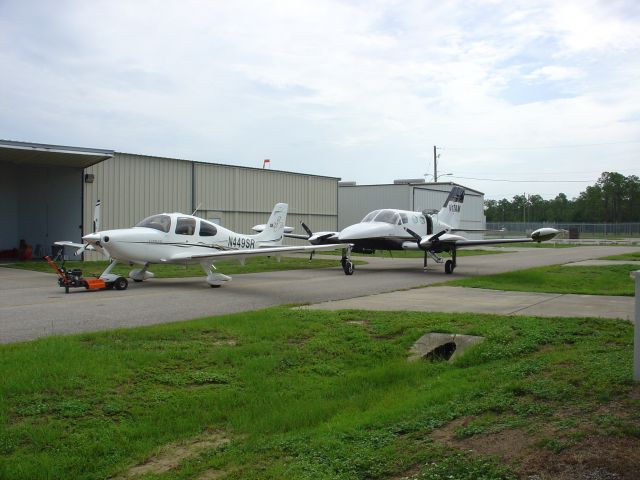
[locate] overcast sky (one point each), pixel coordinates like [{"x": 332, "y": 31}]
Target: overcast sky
[{"x": 362, "y": 90}]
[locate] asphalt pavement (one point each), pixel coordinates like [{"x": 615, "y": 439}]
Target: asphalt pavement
[{"x": 32, "y": 305}]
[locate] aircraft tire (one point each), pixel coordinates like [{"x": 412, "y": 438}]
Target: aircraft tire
[
  {"x": 121, "y": 283},
  {"x": 348, "y": 267},
  {"x": 448, "y": 267}
]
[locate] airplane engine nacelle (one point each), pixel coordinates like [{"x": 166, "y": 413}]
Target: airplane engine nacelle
[{"x": 543, "y": 234}]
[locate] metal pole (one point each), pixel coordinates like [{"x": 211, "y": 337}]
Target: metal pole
[
  {"x": 636, "y": 330},
  {"x": 435, "y": 165}
]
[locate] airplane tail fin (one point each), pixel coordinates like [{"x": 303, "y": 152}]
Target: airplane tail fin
[
  {"x": 451, "y": 211},
  {"x": 274, "y": 229}
]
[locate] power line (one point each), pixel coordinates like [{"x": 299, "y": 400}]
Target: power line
[
  {"x": 522, "y": 181},
  {"x": 579, "y": 145}
]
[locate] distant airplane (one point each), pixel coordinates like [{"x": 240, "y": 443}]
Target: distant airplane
[
  {"x": 180, "y": 239},
  {"x": 393, "y": 229}
]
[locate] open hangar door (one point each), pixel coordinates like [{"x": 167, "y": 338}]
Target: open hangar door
[{"x": 41, "y": 193}]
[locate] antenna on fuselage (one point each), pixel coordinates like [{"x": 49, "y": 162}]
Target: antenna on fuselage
[{"x": 197, "y": 208}]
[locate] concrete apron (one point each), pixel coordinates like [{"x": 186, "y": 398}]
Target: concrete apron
[{"x": 478, "y": 300}]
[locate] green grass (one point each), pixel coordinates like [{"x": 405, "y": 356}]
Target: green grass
[
  {"x": 417, "y": 254},
  {"x": 307, "y": 394},
  {"x": 549, "y": 244},
  {"x": 584, "y": 280},
  {"x": 252, "y": 265},
  {"x": 633, "y": 256}
]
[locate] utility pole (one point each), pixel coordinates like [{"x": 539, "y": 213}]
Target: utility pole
[{"x": 435, "y": 165}]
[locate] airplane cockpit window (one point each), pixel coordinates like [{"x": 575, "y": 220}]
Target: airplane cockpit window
[
  {"x": 207, "y": 229},
  {"x": 185, "y": 226},
  {"x": 404, "y": 217},
  {"x": 370, "y": 215},
  {"x": 388, "y": 216},
  {"x": 158, "y": 222}
]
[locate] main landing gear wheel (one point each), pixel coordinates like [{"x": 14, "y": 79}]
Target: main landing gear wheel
[
  {"x": 348, "y": 267},
  {"x": 448, "y": 266},
  {"x": 121, "y": 283}
]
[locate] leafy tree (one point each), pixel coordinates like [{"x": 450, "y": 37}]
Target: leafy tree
[{"x": 613, "y": 198}]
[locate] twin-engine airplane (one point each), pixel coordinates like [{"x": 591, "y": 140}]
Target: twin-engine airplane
[
  {"x": 181, "y": 239},
  {"x": 431, "y": 232}
]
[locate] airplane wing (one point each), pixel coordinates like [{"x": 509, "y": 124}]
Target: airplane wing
[
  {"x": 253, "y": 252},
  {"x": 446, "y": 239},
  {"x": 473, "y": 243}
]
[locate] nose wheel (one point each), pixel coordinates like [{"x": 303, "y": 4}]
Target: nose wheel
[{"x": 347, "y": 264}]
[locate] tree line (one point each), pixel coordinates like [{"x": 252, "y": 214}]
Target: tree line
[{"x": 613, "y": 199}]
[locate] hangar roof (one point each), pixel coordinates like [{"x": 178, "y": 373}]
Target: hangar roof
[{"x": 23, "y": 153}]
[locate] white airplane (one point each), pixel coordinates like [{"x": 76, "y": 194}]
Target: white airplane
[
  {"x": 180, "y": 239},
  {"x": 431, "y": 232}
]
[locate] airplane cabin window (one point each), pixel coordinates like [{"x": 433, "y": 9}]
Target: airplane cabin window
[
  {"x": 422, "y": 220},
  {"x": 405, "y": 218},
  {"x": 158, "y": 222},
  {"x": 370, "y": 216},
  {"x": 207, "y": 229},
  {"x": 388, "y": 216},
  {"x": 185, "y": 226}
]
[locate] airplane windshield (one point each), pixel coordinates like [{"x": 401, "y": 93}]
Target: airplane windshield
[
  {"x": 158, "y": 222},
  {"x": 370, "y": 216},
  {"x": 388, "y": 216}
]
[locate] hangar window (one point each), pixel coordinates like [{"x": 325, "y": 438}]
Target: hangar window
[
  {"x": 207, "y": 229},
  {"x": 388, "y": 216},
  {"x": 158, "y": 222},
  {"x": 370, "y": 215},
  {"x": 185, "y": 226}
]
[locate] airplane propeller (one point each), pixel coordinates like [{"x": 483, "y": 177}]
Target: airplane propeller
[
  {"x": 97, "y": 215},
  {"x": 306, "y": 229},
  {"x": 426, "y": 240},
  {"x": 315, "y": 239}
]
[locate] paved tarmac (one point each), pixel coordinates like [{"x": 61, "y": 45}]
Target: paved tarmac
[
  {"x": 478, "y": 300},
  {"x": 32, "y": 305}
]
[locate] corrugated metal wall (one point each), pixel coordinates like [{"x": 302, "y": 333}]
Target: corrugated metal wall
[
  {"x": 133, "y": 187},
  {"x": 354, "y": 202},
  {"x": 434, "y": 196}
]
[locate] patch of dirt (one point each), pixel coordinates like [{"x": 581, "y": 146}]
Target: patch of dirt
[
  {"x": 213, "y": 474},
  {"x": 229, "y": 342},
  {"x": 588, "y": 455},
  {"x": 170, "y": 456},
  {"x": 362, "y": 323}
]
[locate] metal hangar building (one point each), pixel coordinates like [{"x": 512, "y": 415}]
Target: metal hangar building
[
  {"x": 48, "y": 192},
  {"x": 355, "y": 201}
]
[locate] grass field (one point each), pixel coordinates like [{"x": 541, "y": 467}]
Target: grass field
[
  {"x": 633, "y": 256},
  {"x": 584, "y": 280},
  {"x": 300, "y": 394},
  {"x": 536, "y": 245},
  {"x": 230, "y": 267}
]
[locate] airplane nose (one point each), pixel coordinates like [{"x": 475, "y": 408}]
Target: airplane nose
[
  {"x": 91, "y": 238},
  {"x": 361, "y": 231}
]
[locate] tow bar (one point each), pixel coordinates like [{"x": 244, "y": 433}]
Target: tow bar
[{"x": 73, "y": 279}]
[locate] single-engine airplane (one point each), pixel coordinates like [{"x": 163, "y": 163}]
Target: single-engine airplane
[
  {"x": 180, "y": 239},
  {"x": 429, "y": 231}
]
